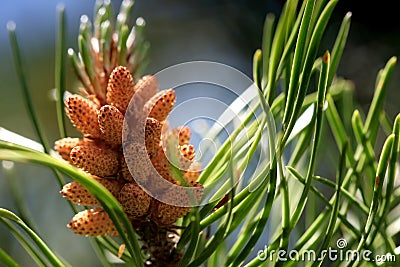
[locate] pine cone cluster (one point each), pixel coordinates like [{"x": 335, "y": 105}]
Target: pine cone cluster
[
  {"x": 109, "y": 64},
  {"x": 99, "y": 152}
]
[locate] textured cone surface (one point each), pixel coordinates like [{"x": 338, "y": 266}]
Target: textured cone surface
[
  {"x": 124, "y": 171},
  {"x": 152, "y": 136},
  {"x": 134, "y": 200},
  {"x": 83, "y": 114},
  {"x": 94, "y": 159},
  {"x": 184, "y": 135},
  {"x": 110, "y": 121},
  {"x": 78, "y": 194},
  {"x": 92, "y": 222},
  {"x": 135, "y": 155},
  {"x": 187, "y": 151},
  {"x": 120, "y": 88},
  {"x": 160, "y": 105},
  {"x": 163, "y": 166},
  {"x": 186, "y": 196},
  {"x": 65, "y": 145},
  {"x": 165, "y": 214},
  {"x": 180, "y": 157},
  {"x": 144, "y": 89}
]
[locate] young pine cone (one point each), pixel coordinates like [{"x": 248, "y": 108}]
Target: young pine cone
[{"x": 99, "y": 152}]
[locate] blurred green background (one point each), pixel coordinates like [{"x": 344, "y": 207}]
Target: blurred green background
[{"x": 178, "y": 30}]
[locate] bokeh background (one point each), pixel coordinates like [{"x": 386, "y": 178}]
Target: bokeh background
[{"x": 178, "y": 30}]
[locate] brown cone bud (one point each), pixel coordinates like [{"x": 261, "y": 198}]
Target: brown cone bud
[
  {"x": 124, "y": 171},
  {"x": 135, "y": 158},
  {"x": 65, "y": 145},
  {"x": 160, "y": 105},
  {"x": 163, "y": 167},
  {"x": 187, "y": 151},
  {"x": 145, "y": 88},
  {"x": 134, "y": 200},
  {"x": 120, "y": 88},
  {"x": 83, "y": 114},
  {"x": 100, "y": 161},
  {"x": 152, "y": 136},
  {"x": 110, "y": 121},
  {"x": 78, "y": 194},
  {"x": 93, "y": 222},
  {"x": 164, "y": 214},
  {"x": 184, "y": 135},
  {"x": 180, "y": 157}
]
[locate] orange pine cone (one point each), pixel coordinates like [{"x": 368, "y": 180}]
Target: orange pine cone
[
  {"x": 165, "y": 214},
  {"x": 76, "y": 193},
  {"x": 160, "y": 105},
  {"x": 187, "y": 151},
  {"x": 145, "y": 88},
  {"x": 100, "y": 153},
  {"x": 83, "y": 114},
  {"x": 138, "y": 168},
  {"x": 92, "y": 222},
  {"x": 97, "y": 160},
  {"x": 152, "y": 136},
  {"x": 120, "y": 88},
  {"x": 110, "y": 120},
  {"x": 134, "y": 200},
  {"x": 184, "y": 135},
  {"x": 65, "y": 145}
]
